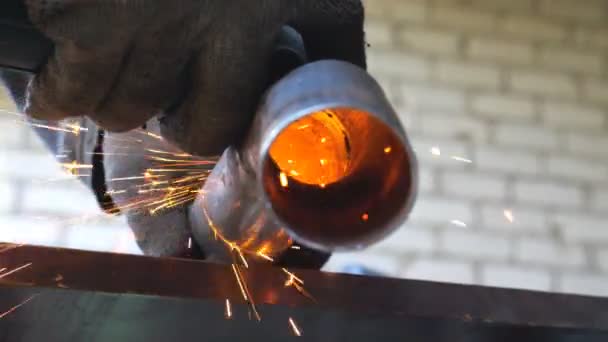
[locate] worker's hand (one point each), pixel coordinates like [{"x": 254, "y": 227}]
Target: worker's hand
[{"x": 200, "y": 66}]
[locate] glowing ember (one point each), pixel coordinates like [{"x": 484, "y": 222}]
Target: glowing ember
[
  {"x": 365, "y": 217},
  {"x": 388, "y": 149},
  {"x": 323, "y": 140}
]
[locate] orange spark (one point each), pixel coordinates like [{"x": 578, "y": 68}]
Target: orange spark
[
  {"x": 323, "y": 162},
  {"x": 323, "y": 140},
  {"x": 388, "y": 149},
  {"x": 365, "y": 217}
]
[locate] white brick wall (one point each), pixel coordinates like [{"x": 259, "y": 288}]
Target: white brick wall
[
  {"x": 546, "y": 193},
  {"x": 519, "y": 88}
]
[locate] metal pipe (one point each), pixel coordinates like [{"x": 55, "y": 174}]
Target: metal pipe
[{"x": 326, "y": 162}]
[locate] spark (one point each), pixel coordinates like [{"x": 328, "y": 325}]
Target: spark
[
  {"x": 435, "y": 151},
  {"x": 116, "y": 192},
  {"x": 127, "y": 178},
  {"x": 295, "y": 247},
  {"x": 11, "y": 310},
  {"x": 74, "y": 165},
  {"x": 283, "y": 179},
  {"x": 228, "y": 309},
  {"x": 458, "y": 223},
  {"x": 289, "y": 161},
  {"x": 294, "y": 173},
  {"x": 323, "y": 140},
  {"x": 263, "y": 255},
  {"x": 322, "y": 185},
  {"x": 189, "y": 243},
  {"x": 303, "y": 127},
  {"x": 238, "y": 280},
  {"x": 509, "y": 215},
  {"x": 294, "y": 327},
  {"x": 292, "y": 276},
  {"x": 388, "y": 149},
  {"x": 15, "y": 270},
  {"x": 155, "y": 136},
  {"x": 365, "y": 217},
  {"x": 2, "y": 269},
  {"x": 461, "y": 159},
  {"x": 323, "y": 162}
]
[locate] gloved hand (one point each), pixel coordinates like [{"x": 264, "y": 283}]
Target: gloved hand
[{"x": 200, "y": 66}]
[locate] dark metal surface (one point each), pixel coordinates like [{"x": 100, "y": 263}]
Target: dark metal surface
[{"x": 84, "y": 296}]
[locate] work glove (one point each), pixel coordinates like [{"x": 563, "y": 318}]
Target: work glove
[
  {"x": 194, "y": 70},
  {"x": 199, "y": 66}
]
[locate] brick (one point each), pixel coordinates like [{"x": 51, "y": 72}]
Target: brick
[
  {"x": 60, "y": 200},
  {"x": 588, "y": 145},
  {"x": 593, "y": 12},
  {"x": 468, "y": 75},
  {"x": 429, "y": 209},
  {"x": 532, "y": 27},
  {"x": 500, "y": 50},
  {"x": 599, "y": 199},
  {"x": 524, "y": 218},
  {"x": 11, "y": 133},
  {"x": 515, "y": 277},
  {"x": 429, "y": 40},
  {"x": 426, "y": 180},
  {"x": 602, "y": 259},
  {"x": 543, "y": 83},
  {"x": 578, "y": 169},
  {"x": 462, "y": 19},
  {"x": 378, "y": 34},
  {"x": 497, "y": 159},
  {"x": 407, "y": 239},
  {"x": 451, "y": 126},
  {"x": 443, "y": 270},
  {"x": 526, "y": 136},
  {"x": 33, "y": 166},
  {"x": 448, "y": 149},
  {"x": 28, "y": 230},
  {"x": 584, "y": 283},
  {"x": 582, "y": 228},
  {"x": 400, "y": 11},
  {"x": 565, "y": 59},
  {"x": 103, "y": 238},
  {"x": 548, "y": 193},
  {"x": 384, "y": 264},
  {"x": 465, "y": 243},
  {"x": 596, "y": 91},
  {"x": 421, "y": 97},
  {"x": 565, "y": 115},
  {"x": 525, "y": 6},
  {"x": 395, "y": 64},
  {"x": 471, "y": 185},
  {"x": 7, "y": 196},
  {"x": 546, "y": 252},
  {"x": 504, "y": 108}
]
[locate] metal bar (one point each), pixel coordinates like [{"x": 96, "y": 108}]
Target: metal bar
[{"x": 100, "y": 297}]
